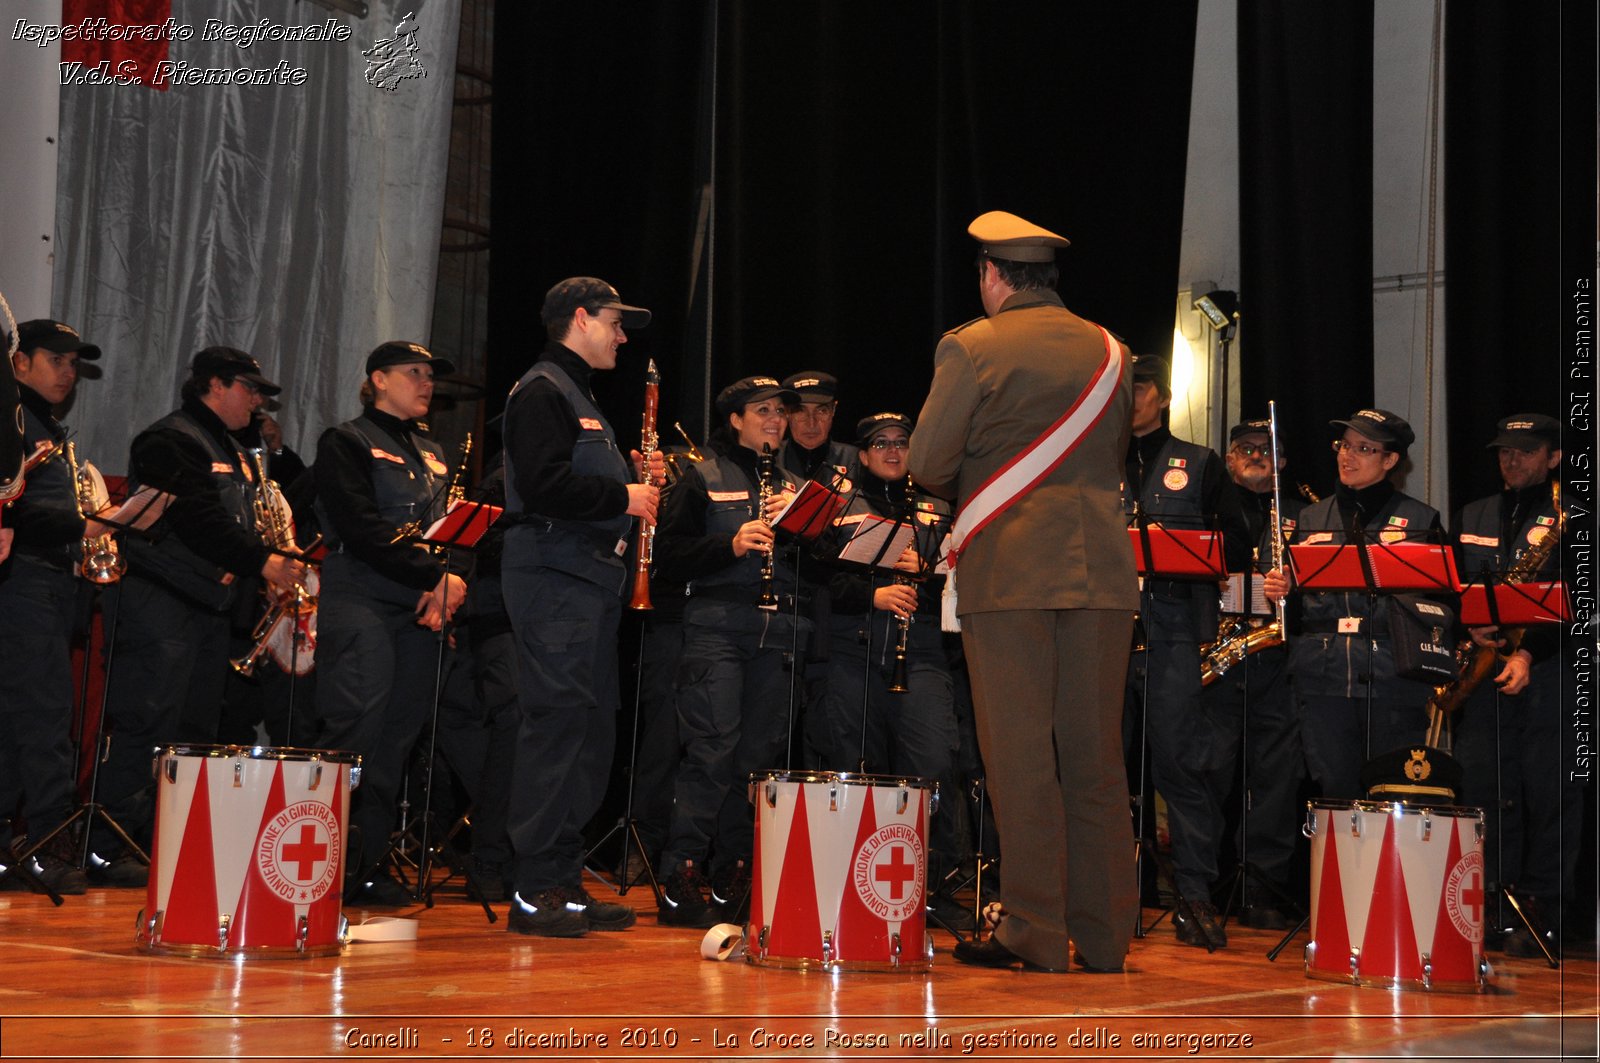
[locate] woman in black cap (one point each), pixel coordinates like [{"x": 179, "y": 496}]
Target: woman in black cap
[
  {"x": 1341, "y": 655},
  {"x": 384, "y": 595},
  {"x": 733, "y": 691}
]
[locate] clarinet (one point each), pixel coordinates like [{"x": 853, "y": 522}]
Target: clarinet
[
  {"x": 897, "y": 683},
  {"x": 649, "y": 443},
  {"x": 769, "y": 594}
]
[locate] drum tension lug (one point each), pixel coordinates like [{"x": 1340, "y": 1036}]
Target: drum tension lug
[
  {"x": 833, "y": 798},
  {"x": 904, "y": 800},
  {"x": 894, "y": 947},
  {"x": 302, "y": 934},
  {"x": 238, "y": 774},
  {"x": 827, "y": 946},
  {"x": 224, "y": 924},
  {"x": 172, "y": 769},
  {"x": 316, "y": 775},
  {"x": 1427, "y": 825},
  {"x": 1355, "y": 824},
  {"x": 1427, "y": 971}
]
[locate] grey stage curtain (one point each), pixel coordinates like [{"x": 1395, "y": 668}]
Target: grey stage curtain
[{"x": 299, "y": 223}]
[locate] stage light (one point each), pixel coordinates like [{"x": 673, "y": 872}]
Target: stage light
[{"x": 1220, "y": 308}]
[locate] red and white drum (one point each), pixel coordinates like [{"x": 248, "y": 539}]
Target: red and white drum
[
  {"x": 841, "y": 866},
  {"x": 1397, "y": 895},
  {"x": 249, "y": 851}
]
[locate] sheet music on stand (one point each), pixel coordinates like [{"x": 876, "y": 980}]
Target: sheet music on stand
[
  {"x": 875, "y": 541},
  {"x": 1514, "y": 604},
  {"x": 1233, "y": 599},
  {"x": 463, "y": 524},
  {"x": 811, "y": 511}
]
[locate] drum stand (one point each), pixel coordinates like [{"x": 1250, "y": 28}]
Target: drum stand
[
  {"x": 627, "y": 825},
  {"x": 91, "y": 810},
  {"x": 1507, "y": 892}
]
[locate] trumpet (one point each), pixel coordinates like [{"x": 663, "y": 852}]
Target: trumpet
[
  {"x": 287, "y": 628},
  {"x": 769, "y": 594},
  {"x": 101, "y": 563}
]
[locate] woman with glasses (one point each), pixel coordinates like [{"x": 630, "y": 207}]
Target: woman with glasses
[
  {"x": 1352, "y": 704},
  {"x": 732, "y": 686}
]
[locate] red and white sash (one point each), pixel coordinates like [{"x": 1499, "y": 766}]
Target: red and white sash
[{"x": 1041, "y": 457}]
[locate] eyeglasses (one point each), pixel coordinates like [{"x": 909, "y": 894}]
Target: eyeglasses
[
  {"x": 890, "y": 444},
  {"x": 1250, "y": 450},
  {"x": 1366, "y": 450}
]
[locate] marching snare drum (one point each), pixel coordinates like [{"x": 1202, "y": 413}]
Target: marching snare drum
[
  {"x": 1397, "y": 895},
  {"x": 840, "y": 871},
  {"x": 249, "y": 851}
]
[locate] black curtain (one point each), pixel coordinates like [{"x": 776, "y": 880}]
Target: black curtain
[
  {"x": 853, "y": 144},
  {"x": 1305, "y": 204},
  {"x": 1504, "y": 310}
]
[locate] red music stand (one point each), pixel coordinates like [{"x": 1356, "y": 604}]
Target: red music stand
[
  {"x": 1375, "y": 567},
  {"x": 1514, "y": 604},
  {"x": 1177, "y": 553},
  {"x": 810, "y": 512},
  {"x": 462, "y": 525}
]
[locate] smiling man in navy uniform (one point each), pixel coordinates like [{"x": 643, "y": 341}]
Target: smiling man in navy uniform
[
  {"x": 1046, "y": 595},
  {"x": 571, "y": 499}
]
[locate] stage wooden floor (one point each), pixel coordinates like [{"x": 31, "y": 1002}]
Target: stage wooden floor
[{"x": 76, "y": 986}]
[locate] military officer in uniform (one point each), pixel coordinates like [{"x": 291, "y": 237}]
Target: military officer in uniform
[
  {"x": 1046, "y": 594},
  {"x": 1181, "y": 485},
  {"x": 1342, "y": 652},
  {"x": 39, "y": 599},
  {"x": 380, "y": 482},
  {"x": 171, "y": 611},
  {"x": 1517, "y": 775},
  {"x": 571, "y": 499},
  {"x": 734, "y": 675}
]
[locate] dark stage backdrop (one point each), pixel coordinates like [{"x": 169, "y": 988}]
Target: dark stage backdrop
[
  {"x": 1305, "y": 205},
  {"x": 853, "y": 144}
]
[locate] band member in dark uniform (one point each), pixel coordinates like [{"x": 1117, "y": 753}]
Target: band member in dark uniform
[
  {"x": 1520, "y": 778},
  {"x": 38, "y": 602},
  {"x": 1342, "y": 649},
  {"x": 910, "y": 732},
  {"x": 571, "y": 499},
  {"x": 733, "y": 686},
  {"x": 811, "y": 453},
  {"x": 172, "y": 609},
  {"x": 1253, "y": 696},
  {"x": 380, "y": 483},
  {"x": 1178, "y": 484}
]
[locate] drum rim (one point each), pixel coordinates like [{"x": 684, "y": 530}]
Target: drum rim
[
  {"x": 846, "y": 778},
  {"x": 239, "y": 752},
  {"x": 1391, "y": 807}
]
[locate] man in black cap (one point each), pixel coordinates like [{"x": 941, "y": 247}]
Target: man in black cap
[
  {"x": 733, "y": 688},
  {"x": 384, "y": 594},
  {"x": 171, "y": 612},
  {"x": 1509, "y": 732},
  {"x": 571, "y": 499},
  {"x": 1181, "y": 485},
  {"x": 1252, "y": 697},
  {"x": 1341, "y": 657},
  {"x": 1046, "y": 593},
  {"x": 38, "y": 601},
  {"x": 811, "y": 452}
]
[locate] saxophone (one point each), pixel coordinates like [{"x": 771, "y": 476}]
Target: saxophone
[
  {"x": 287, "y": 628},
  {"x": 1475, "y": 663},
  {"x": 101, "y": 563}
]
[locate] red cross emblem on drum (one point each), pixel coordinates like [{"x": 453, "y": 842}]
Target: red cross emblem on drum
[
  {"x": 888, "y": 872},
  {"x": 1463, "y": 896},
  {"x": 297, "y": 854}
]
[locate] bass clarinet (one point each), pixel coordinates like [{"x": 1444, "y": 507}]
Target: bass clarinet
[{"x": 649, "y": 444}]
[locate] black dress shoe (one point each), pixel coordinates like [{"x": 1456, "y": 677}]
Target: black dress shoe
[
  {"x": 1077, "y": 958},
  {"x": 991, "y": 953}
]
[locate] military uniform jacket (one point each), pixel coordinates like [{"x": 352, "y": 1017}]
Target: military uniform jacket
[
  {"x": 999, "y": 383},
  {"x": 402, "y": 478},
  {"x": 1494, "y": 533},
  {"x": 1322, "y": 660},
  {"x": 46, "y": 516},
  {"x": 207, "y": 536}
]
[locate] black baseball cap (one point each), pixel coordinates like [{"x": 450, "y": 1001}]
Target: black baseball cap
[
  {"x": 401, "y": 352},
  {"x": 813, "y": 385},
  {"x": 733, "y": 398},
  {"x": 229, "y": 365},
  {"x": 1527, "y": 431},
  {"x": 591, "y": 293},
  {"x": 1381, "y": 426},
  {"x": 1153, "y": 367},
  {"x": 54, "y": 336},
  {"x": 872, "y": 424},
  {"x": 1262, "y": 427}
]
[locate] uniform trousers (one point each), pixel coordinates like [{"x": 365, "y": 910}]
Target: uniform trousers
[
  {"x": 1252, "y": 705},
  {"x": 566, "y": 631},
  {"x": 168, "y": 665},
  {"x": 37, "y": 606},
  {"x": 1046, "y": 688},
  {"x": 376, "y": 667},
  {"x": 733, "y": 699},
  {"x": 1339, "y": 739}
]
